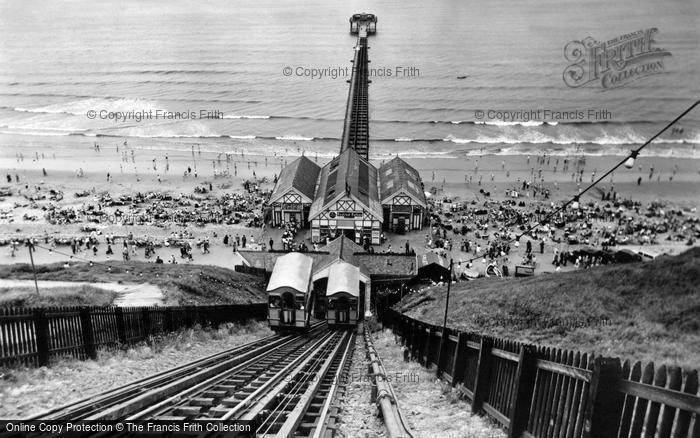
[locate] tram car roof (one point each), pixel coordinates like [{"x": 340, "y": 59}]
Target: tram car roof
[
  {"x": 291, "y": 270},
  {"x": 343, "y": 278}
]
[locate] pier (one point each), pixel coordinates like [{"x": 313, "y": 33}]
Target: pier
[{"x": 356, "y": 125}]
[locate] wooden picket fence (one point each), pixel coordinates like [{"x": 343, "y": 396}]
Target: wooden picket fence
[
  {"x": 538, "y": 392},
  {"x": 34, "y": 336}
]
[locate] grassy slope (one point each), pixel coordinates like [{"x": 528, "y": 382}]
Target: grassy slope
[
  {"x": 182, "y": 284},
  {"x": 59, "y": 296},
  {"x": 641, "y": 311}
]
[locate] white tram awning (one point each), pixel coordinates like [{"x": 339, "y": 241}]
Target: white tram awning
[
  {"x": 343, "y": 277},
  {"x": 291, "y": 270}
]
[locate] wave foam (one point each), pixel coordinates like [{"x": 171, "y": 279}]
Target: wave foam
[
  {"x": 293, "y": 138},
  {"x": 81, "y": 107},
  {"x": 514, "y": 123},
  {"x": 243, "y": 116}
]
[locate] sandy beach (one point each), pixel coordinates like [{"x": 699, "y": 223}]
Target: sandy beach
[
  {"x": 672, "y": 178},
  {"x": 132, "y": 170}
]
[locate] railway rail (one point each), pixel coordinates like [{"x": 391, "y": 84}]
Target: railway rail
[
  {"x": 283, "y": 386},
  {"x": 356, "y": 124},
  {"x": 179, "y": 376},
  {"x": 383, "y": 394}
]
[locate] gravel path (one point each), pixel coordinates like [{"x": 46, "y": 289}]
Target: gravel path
[
  {"x": 359, "y": 418},
  {"x": 430, "y": 407},
  {"x": 27, "y": 391}
]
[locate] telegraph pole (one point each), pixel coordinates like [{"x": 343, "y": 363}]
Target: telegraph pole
[
  {"x": 30, "y": 246},
  {"x": 444, "y": 321},
  {"x": 447, "y": 300}
]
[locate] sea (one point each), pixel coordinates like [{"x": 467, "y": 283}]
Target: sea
[{"x": 449, "y": 78}]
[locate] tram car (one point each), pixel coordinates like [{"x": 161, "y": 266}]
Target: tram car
[
  {"x": 289, "y": 293},
  {"x": 343, "y": 295}
]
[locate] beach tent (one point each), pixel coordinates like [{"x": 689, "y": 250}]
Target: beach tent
[
  {"x": 493, "y": 271},
  {"x": 470, "y": 274}
]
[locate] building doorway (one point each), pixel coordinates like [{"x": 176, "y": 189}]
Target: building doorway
[
  {"x": 292, "y": 216},
  {"x": 350, "y": 234}
]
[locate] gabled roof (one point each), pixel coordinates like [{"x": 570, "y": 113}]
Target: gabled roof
[
  {"x": 301, "y": 175},
  {"x": 340, "y": 248},
  {"x": 348, "y": 174},
  {"x": 386, "y": 266},
  {"x": 377, "y": 265},
  {"x": 430, "y": 258},
  {"x": 259, "y": 259},
  {"x": 397, "y": 175}
]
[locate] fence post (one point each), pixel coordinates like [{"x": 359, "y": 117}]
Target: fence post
[
  {"x": 604, "y": 410},
  {"x": 190, "y": 316},
  {"x": 176, "y": 318},
  {"x": 121, "y": 326},
  {"x": 401, "y": 325},
  {"x": 523, "y": 389},
  {"x": 459, "y": 361},
  {"x": 415, "y": 338},
  {"x": 420, "y": 339},
  {"x": 483, "y": 374},
  {"x": 199, "y": 316},
  {"x": 41, "y": 325},
  {"x": 215, "y": 316},
  {"x": 88, "y": 333},
  {"x": 168, "y": 320},
  {"x": 146, "y": 322},
  {"x": 425, "y": 353},
  {"x": 444, "y": 339}
]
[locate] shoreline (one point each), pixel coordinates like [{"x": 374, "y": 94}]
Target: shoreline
[{"x": 444, "y": 178}]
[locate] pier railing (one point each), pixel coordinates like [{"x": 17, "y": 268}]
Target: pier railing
[
  {"x": 533, "y": 391},
  {"x": 34, "y": 336}
]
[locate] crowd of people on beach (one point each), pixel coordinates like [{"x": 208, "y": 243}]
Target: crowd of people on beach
[
  {"x": 486, "y": 230},
  {"x": 483, "y": 228},
  {"x": 491, "y": 229},
  {"x": 160, "y": 208}
]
